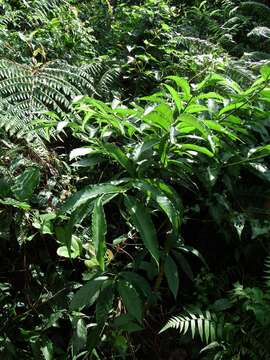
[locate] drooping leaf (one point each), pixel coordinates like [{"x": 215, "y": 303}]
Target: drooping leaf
[
  {"x": 26, "y": 183},
  {"x": 75, "y": 249},
  {"x": 89, "y": 193},
  {"x": 115, "y": 152},
  {"x": 88, "y": 293},
  {"x": 105, "y": 302},
  {"x": 80, "y": 152},
  {"x": 196, "y": 148},
  {"x": 175, "y": 96},
  {"x": 131, "y": 299},
  {"x": 144, "y": 225},
  {"x": 138, "y": 281},
  {"x": 99, "y": 230},
  {"x": 15, "y": 203},
  {"x": 79, "y": 337},
  {"x": 161, "y": 198},
  {"x": 171, "y": 273},
  {"x": 183, "y": 84}
]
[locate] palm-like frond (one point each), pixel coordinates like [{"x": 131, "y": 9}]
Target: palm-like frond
[
  {"x": 205, "y": 324},
  {"x": 267, "y": 273}
]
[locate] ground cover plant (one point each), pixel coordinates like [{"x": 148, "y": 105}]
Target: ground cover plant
[{"x": 134, "y": 179}]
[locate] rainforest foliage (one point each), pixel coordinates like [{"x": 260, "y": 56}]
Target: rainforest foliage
[{"x": 134, "y": 179}]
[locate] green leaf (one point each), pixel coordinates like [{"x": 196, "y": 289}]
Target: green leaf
[
  {"x": 183, "y": 84},
  {"x": 195, "y": 108},
  {"x": 79, "y": 337},
  {"x": 197, "y": 148},
  {"x": 64, "y": 236},
  {"x": 80, "y": 152},
  {"x": 233, "y": 106},
  {"x": 99, "y": 230},
  {"x": 161, "y": 199},
  {"x": 104, "y": 302},
  {"x": 186, "y": 123},
  {"x": 75, "y": 249},
  {"x": 171, "y": 273},
  {"x": 116, "y": 153},
  {"x": 265, "y": 71},
  {"x": 144, "y": 225},
  {"x": 160, "y": 116},
  {"x": 131, "y": 299},
  {"x": 15, "y": 203},
  {"x": 175, "y": 96},
  {"x": 184, "y": 264},
  {"x": 125, "y": 322},
  {"x": 47, "y": 350},
  {"x": 138, "y": 281},
  {"x": 217, "y": 127},
  {"x": 88, "y": 293},
  {"x": 89, "y": 193},
  {"x": 26, "y": 183}
]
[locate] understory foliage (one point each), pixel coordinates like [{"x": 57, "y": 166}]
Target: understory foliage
[{"x": 134, "y": 179}]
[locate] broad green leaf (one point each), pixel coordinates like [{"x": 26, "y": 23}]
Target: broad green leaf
[
  {"x": 15, "y": 203},
  {"x": 171, "y": 273},
  {"x": 64, "y": 236},
  {"x": 143, "y": 148},
  {"x": 173, "y": 195},
  {"x": 209, "y": 95},
  {"x": 184, "y": 264},
  {"x": 160, "y": 116},
  {"x": 89, "y": 193},
  {"x": 104, "y": 302},
  {"x": 115, "y": 152},
  {"x": 175, "y": 96},
  {"x": 138, "y": 281},
  {"x": 265, "y": 71},
  {"x": 200, "y": 328},
  {"x": 125, "y": 322},
  {"x": 89, "y": 161},
  {"x": 99, "y": 230},
  {"x": 131, "y": 299},
  {"x": 80, "y": 152},
  {"x": 79, "y": 337},
  {"x": 195, "y": 108},
  {"x": 232, "y": 107},
  {"x": 26, "y": 183},
  {"x": 197, "y": 148},
  {"x": 75, "y": 249},
  {"x": 183, "y": 84},
  {"x": 161, "y": 199},
  {"x": 217, "y": 127},
  {"x": 44, "y": 223},
  {"x": 47, "y": 350},
  {"x": 88, "y": 293},
  {"x": 144, "y": 225},
  {"x": 207, "y": 330},
  {"x": 187, "y": 123},
  {"x": 217, "y": 78}
]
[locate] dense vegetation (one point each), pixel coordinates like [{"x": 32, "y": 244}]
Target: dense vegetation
[{"x": 134, "y": 179}]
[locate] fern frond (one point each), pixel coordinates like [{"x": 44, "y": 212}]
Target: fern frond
[
  {"x": 204, "y": 324},
  {"x": 267, "y": 273},
  {"x": 260, "y": 31},
  {"x": 255, "y": 8}
]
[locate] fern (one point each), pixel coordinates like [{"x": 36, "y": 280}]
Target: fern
[
  {"x": 205, "y": 324},
  {"x": 260, "y": 31},
  {"x": 27, "y": 92},
  {"x": 267, "y": 274}
]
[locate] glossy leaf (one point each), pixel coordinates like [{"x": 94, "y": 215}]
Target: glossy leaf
[
  {"x": 144, "y": 225},
  {"x": 99, "y": 230}
]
